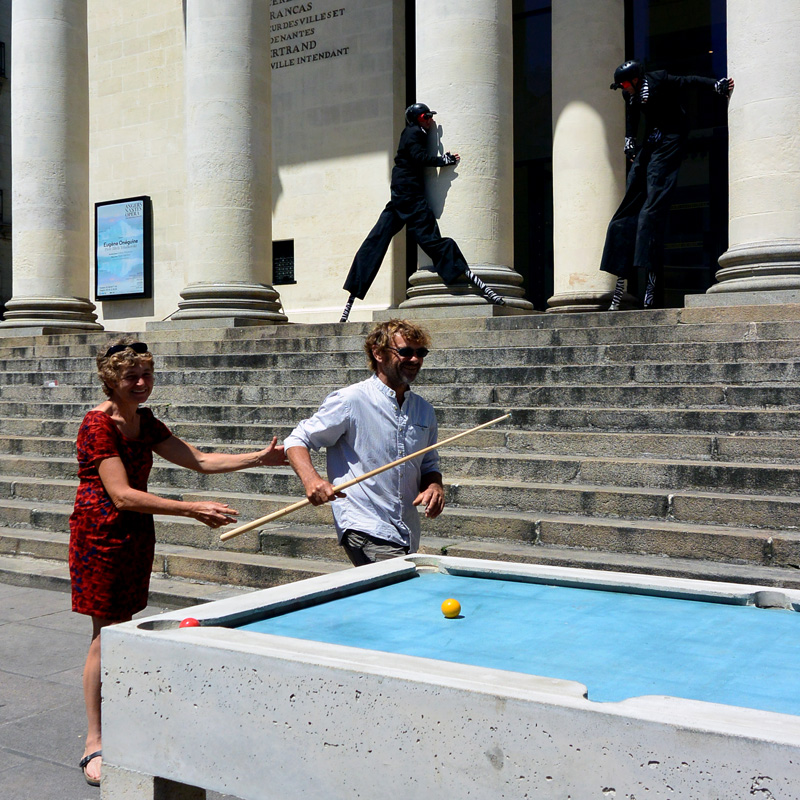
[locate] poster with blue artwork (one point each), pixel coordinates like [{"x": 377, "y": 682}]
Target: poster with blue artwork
[{"x": 123, "y": 249}]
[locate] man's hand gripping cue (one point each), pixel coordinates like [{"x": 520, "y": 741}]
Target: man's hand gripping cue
[{"x": 318, "y": 490}]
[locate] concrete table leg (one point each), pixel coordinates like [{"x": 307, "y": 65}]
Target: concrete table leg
[{"x": 125, "y": 784}]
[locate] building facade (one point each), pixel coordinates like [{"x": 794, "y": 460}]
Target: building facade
[{"x": 260, "y": 135}]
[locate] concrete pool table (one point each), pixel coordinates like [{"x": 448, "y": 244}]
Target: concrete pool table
[{"x": 553, "y": 683}]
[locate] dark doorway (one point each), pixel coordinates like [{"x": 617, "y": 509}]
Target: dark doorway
[
  {"x": 688, "y": 37},
  {"x": 533, "y": 150}
]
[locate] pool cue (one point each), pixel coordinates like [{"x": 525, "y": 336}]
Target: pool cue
[{"x": 301, "y": 503}]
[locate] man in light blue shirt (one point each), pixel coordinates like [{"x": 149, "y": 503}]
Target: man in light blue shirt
[{"x": 368, "y": 425}]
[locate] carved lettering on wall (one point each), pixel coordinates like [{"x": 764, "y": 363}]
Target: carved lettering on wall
[{"x": 299, "y": 33}]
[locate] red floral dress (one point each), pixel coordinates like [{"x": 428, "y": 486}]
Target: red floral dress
[{"x": 110, "y": 551}]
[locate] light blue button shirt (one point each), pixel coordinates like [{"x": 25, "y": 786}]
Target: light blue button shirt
[{"x": 363, "y": 428}]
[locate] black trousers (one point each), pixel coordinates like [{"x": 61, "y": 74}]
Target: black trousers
[
  {"x": 414, "y": 213},
  {"x": 635, "y": 236}
]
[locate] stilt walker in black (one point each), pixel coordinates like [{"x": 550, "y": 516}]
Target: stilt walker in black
[
  {"x": 635, "y": 236},
  {"x": 408, "y": 207}
]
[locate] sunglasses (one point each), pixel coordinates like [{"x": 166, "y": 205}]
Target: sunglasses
[
  {"x": 407, "y": 352},
  {"x": 137, "y": 347},
  {"x": 427, "y": 116}
]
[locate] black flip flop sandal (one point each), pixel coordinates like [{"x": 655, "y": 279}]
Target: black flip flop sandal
[{"x": 82, "y": 764}]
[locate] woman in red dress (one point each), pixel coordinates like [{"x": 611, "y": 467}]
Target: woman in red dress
[{"x": 112, "y": 538}]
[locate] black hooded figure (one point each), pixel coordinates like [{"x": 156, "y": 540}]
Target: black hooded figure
[
  {"x": 635, "y": 236},
  {"x": 408, "y": 207}
]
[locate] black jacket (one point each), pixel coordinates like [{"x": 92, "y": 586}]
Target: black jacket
[
  {"x": 410, "y": 162},
  {"x": 663, "y": 106}
]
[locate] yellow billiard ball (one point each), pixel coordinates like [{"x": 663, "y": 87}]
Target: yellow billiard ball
[{"x": 451, "y": 608}]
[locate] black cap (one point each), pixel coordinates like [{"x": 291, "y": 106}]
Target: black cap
[
  {"x": 413, "y": 112},
  {"x": 627, "y": 72}
]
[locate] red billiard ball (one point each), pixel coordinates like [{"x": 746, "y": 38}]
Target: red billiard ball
[{"x": 189, "y": 622}]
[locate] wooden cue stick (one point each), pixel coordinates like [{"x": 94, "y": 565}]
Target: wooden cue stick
[{"x": 301, "y": 503}]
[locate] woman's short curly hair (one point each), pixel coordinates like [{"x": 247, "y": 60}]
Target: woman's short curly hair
[
  {"x": 110, "y": 368},
  {"x": 381, "y": 338}
]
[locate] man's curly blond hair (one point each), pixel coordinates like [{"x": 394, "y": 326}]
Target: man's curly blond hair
[
  {"x": 110, "y": 368},
  {"x": 381, "y": 338}
]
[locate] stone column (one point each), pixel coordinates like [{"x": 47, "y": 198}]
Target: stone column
[
  {"x": 228, "y": 164},
  {"x": 763, "y": 256},
  {"x": 588, "y": 137},
  {"x": 50, "y": 167},
  {"x": 464, "y": 71}
]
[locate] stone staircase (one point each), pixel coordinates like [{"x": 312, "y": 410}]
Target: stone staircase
[{"x": 659, "y": 441}]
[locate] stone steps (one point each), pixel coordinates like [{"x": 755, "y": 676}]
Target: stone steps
[
  {"x": 724, "y": 422},
  {"x": 328, "y": 373},
  {"x": 27, "y": 433},
  {"x": 648, "y": 564},
  {"x": 308, "y": 340},
  {"x": 750, "y": 318},
  {"x": 181, "y": 561},
  {"x": 680, "y": 525},
  {"x": 637, "y": 324},
  {"x": 645, "y": 441},
  {"x": 169, "y": 592},
  {"x": 187, "y": 575},
  {"x": 640, "y": 503},
  {"x": 475, "y": 399},
  {"x": 507, "y": 476},
  {"x": 47, "y": 438},
  {"x": 258, "y": 363}
]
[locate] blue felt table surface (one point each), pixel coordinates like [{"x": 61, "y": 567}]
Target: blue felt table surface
[{"x": 619, "y": 645}]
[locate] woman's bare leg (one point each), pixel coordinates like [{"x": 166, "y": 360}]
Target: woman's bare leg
[{"x": 91, "y": 696}]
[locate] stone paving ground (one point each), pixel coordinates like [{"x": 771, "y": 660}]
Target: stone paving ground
[{"x": 42, "y": 719}]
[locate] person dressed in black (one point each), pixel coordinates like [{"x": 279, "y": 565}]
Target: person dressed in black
[
  {"x": 635, "y": 236},
  {"x": 408, "y": 207}
]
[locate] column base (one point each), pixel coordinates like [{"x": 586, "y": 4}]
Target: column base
[
  {"x": 204, "y": 323},
  {"x": 576, "y": 302},
  {"x": 56, "y": 314},
  {"x": 258, "y": 302},
  {"x": 428, "y": 290},
  {"x": 485, "y": 311},
  {"x": 759, "y": 267}
]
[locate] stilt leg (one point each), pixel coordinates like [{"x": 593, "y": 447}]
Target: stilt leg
[
  {"x": 490, "y": 295},
  {"x": 617, "y": 298},
  {"x": 650, "y": 291},
  {"x": 348, "y": 305}
]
